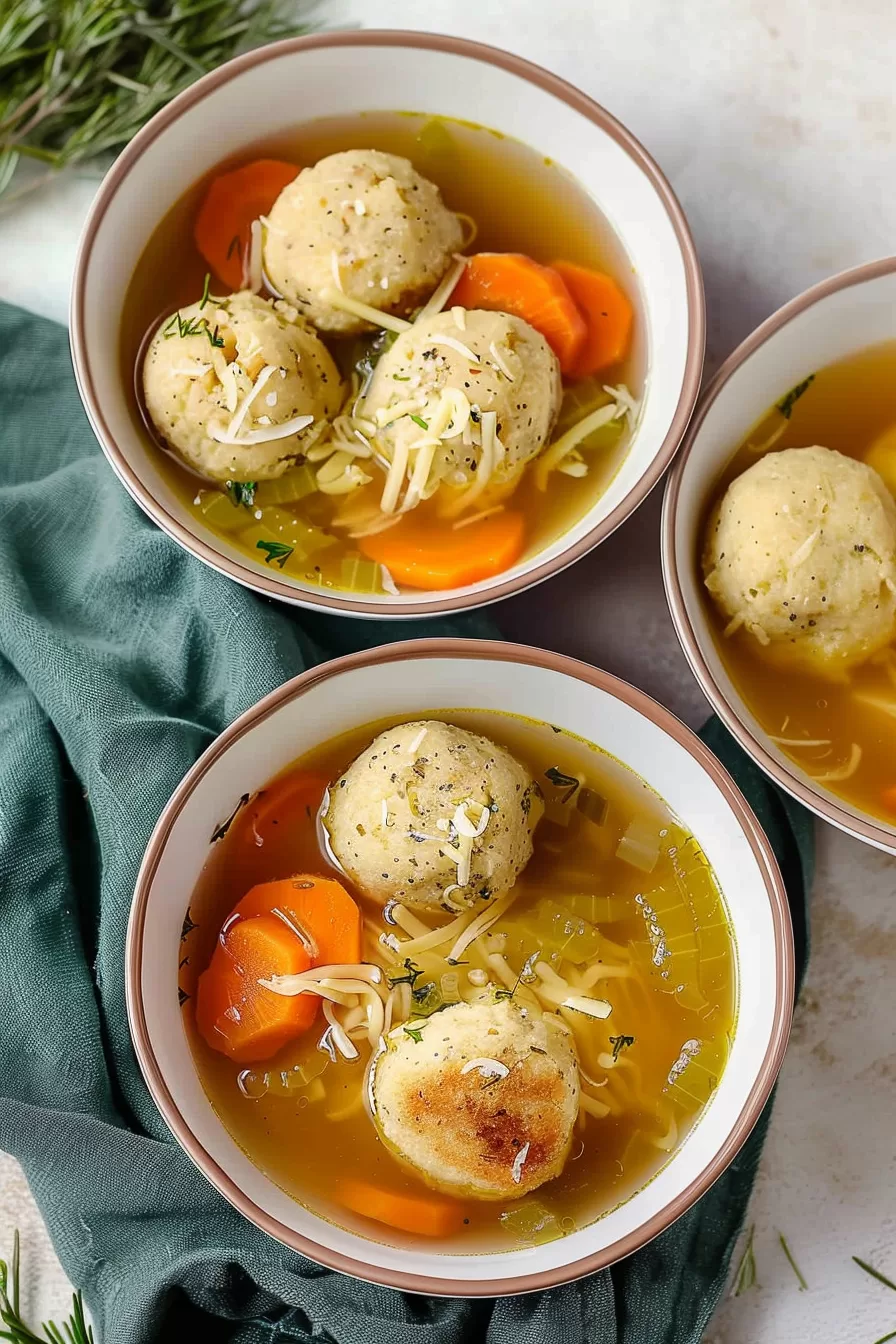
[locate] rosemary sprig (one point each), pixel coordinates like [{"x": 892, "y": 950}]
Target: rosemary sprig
[
  {"x": 793, "y": 1264},
  {"x": 74, "y": 1331},
  {"x": 78, "y": 78},
  {"x": 875, "y": 1273},
  {"x": 745, "y": 1276}
]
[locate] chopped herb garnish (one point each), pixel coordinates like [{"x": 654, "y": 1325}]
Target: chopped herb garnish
[
  {"x": 242, "y": 493},
  {"x": 194, "y": 327},
  {"x": 411, "y": 976},
  {"x": 216, "y": 340},
  {"x": 503, "y": 994},
  {"x": 422, "y": 994},
  {"x": 568, "y": 782},
  {"x": 884, "y": 1338},
  {"x": 205, "y": 294},
  {"x": 277, "y": 551},
  {"x": 620, "y": 1043},
  {"x": 402, "y": 377},
  {"x": 418, "y": 420},
  {"x": 475, "y": 415},
  {"x": 793, "y": 1264},
  {"x": 233, "y": 246},
  {"x": 786, "y": 404},
  {"x": 745, "y": 1276},
  {"x": 452, "y": 962},
  {"x": 875, "y": 1273},
  {"x": 415, "y": 1033}
]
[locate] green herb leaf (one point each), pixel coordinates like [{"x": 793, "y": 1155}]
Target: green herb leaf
[
  {"x": 620, "y": 1043},
  {"x": 793, "y": 1264},
  {"x": 402, "y": 377},
  {"x": 883, "y": 1339},
  {"x": 875, "y": 1273},
  {"x": 205, "y": 294},
  {"x": 569, "y": 782},
  {"x": 745, "y": 1275},
  {"x": 418, "y": 420},
  {"x": 215, "y": 340},
  {"x": 75, "y": 1329},
  {"x": 786, "y": 404},
  {"x": 415, "y": 1033},
  {"x": 277, "y": 551},
  {"x": 242, "y": 493},
  {"x": 77, "y": 81}
]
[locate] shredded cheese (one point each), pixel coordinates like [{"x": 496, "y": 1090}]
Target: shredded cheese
[
  {"x": 567, "y": 442},
  {"x": 270, "y": 435},
  {"x": 501, "y": 365},
  {"x": 458, "y": 346},
  {"x": 387, "y": 321},
  {"x": 397, "y": 469},
  {"x": 489, "y": 1068},
  {"x": 442, "y": 294}
]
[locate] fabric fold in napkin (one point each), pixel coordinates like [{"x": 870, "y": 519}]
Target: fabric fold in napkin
[{"x": 121, "y": 658}]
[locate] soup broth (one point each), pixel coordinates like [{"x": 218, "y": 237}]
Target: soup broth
[
  {"x": 518, "y": 202},
  {"x": 617, "y": 895},
  {"x": 851, "y": 407}
]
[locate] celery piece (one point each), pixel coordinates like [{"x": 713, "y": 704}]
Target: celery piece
[
  {"x": 292, "y": 486},
  {"x": 216, "y": 509},
  {"x": 358, "y": 575}
]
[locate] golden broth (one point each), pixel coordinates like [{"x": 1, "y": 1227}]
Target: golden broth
[
  {"x": 665, "y": 934},
  {"x": 520, "y": 201},
  {"x": 847, "y": 406}
]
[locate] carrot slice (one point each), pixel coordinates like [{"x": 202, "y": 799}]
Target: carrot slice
[
  {"x": 232, "y": 201},
  {"x": 888, "y": 798},
  {"x": 318, "y": 908},
  {"x": 419, "y": 554},
  {"x": 235, "y": 1014},
  {"x": 430, "y": 1217},
  {"x": 274, "y": 808},
  {"x": 607, "y": 313},
  {"x": 509, "y": 282}
]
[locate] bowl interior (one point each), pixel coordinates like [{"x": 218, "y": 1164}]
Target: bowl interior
[
  {"x": 294, "y": 82},
  {"x": 407, "y": 679},
  {"x": 840, "y": 318}
]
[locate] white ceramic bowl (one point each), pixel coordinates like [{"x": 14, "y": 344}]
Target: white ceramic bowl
[
  {"x": 445, "y": 674},
  {"x": 834, "y": 319},
  {"x": 265, "y": 91}
]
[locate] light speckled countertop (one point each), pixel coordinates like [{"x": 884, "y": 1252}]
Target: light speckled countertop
[{"x": 776, "y": 123}]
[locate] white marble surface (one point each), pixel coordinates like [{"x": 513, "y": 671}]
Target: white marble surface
[{"x": 776, "y": 122}]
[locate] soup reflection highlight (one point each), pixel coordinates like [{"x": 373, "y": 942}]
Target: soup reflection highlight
[{"x": 498, "y": 1016}]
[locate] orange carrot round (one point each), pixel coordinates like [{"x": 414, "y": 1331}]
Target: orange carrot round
[
  {"x": 608, "y": 316},
  {"x": 318, "y": 908},
  {"x": 427, "y": 1216},
  {"x": 234, "y": 1013},
  {"x": 509, "y": 282},
  {"x": 233, "y": 200},
  {"x": 421, "y": 555},
  {"x": 276, "y": 805}
]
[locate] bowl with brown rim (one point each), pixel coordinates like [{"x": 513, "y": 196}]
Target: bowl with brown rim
[
  {"x": 252, "y": 99},
  {"x": 411, "y": 679},
  {"x": 833, "y": 321}
]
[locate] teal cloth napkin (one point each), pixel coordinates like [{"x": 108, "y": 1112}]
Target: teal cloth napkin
[{"x": 120, "y": 659}]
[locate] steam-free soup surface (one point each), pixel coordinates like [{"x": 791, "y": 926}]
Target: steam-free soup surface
[
  {"x": 848, "y": 723},
  {"x": 659, "y": 940},
  {"x": 521, "y": 203}
]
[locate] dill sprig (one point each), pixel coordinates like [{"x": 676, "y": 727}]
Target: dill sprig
[
  {"x": 745, "y": 1276},
  {"x": 78, "y": 78},
  {"x": 74, "y": 1331},
  {"x": 793, "y": 1264}
]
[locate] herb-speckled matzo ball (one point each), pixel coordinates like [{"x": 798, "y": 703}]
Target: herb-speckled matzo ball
[{"x": 433, "y": 816}]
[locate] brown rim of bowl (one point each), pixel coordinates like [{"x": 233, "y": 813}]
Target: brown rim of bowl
[
  {"x": 490, "y": 651},
  {"x": 862, "y": 827},
  {"x": 552, "y": 84}
]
